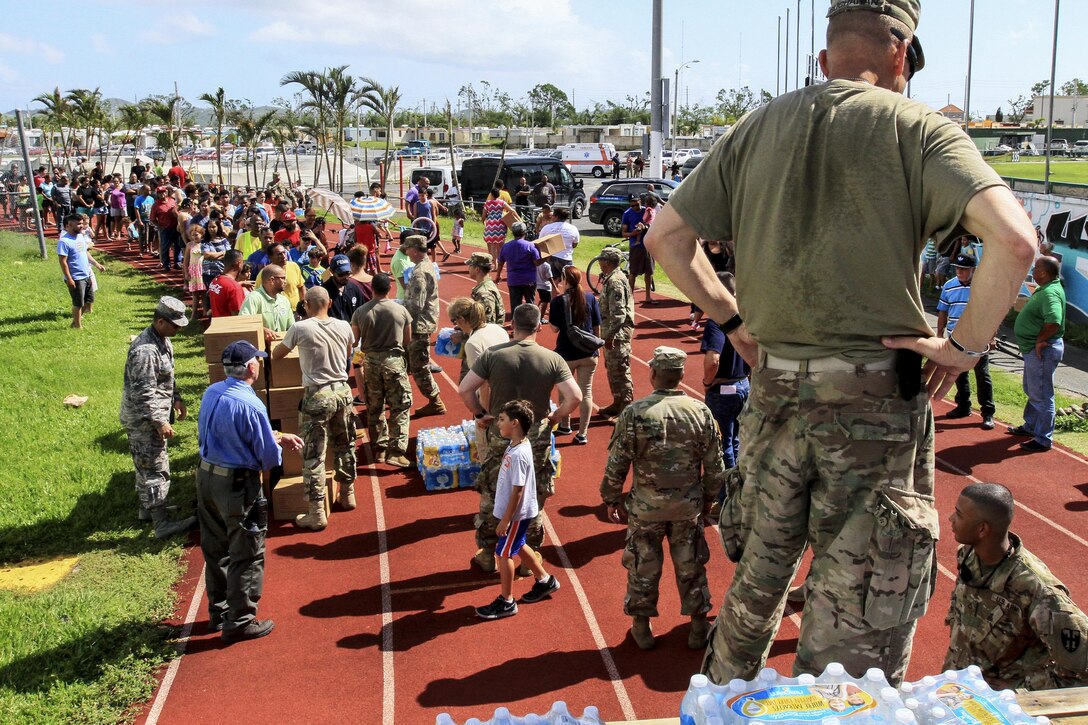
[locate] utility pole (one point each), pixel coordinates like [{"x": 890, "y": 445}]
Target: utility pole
[
  {"x": 1053, "y": 70},
  {"x": 797, "y": 51},
  {"x": 778, "y": 71},
  {"x": 30, "y": 175},
  {"x": 970, "y": 60},
  {"x": 786, "y": 85},
  {"x": 657, "y": 123}
]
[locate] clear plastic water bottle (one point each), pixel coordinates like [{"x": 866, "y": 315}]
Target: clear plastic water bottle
[
  {"x": 560, "y": 715},
  {"x": 707, "y": 708},
  {"x": 502, "y": 716},
  {"x": 689, "y": 706},
  {"x": 590, "y": 716},
  {"x": 444, "y": 719}
]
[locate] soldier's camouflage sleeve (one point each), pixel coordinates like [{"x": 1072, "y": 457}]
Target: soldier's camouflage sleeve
[
  {"x": 416, "y": 297},
  {"x": 713, "y": 461},
  {"x": 1063, "y": 628},
  {"x": 621, "y": 450},
  {"x": 141, "y": 379},
  {"x": 613, "y": 314}
]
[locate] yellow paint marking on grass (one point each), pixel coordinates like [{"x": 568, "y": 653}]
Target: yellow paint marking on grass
[{"x": 36, "y": 577}]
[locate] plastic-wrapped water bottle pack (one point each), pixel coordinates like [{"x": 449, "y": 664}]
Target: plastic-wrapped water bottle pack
[{"x": 557, "y": 715}]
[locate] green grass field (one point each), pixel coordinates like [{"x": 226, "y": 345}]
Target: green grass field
[
  {"x": 1072, "y": 171},
  {"x": 85, "y": 650}
]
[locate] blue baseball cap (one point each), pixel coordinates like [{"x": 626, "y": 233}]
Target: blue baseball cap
[
  {"x": 340, "y": 265},
  {"x": 241, "y": 352}
]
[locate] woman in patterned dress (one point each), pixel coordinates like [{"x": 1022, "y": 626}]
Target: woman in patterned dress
[{"x": 494, "y": 229}]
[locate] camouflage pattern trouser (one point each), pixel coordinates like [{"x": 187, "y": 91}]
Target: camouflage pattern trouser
[
  {"x": 419, "y": 360},
  {"x": 838, "y": 461},
  {"x": 643, "y": 558},
  {"x": 541, "y": 440},
  {"x": 617, "y": 365},
  {"x": 387, "y": 384},
  {"x": 325, "y": 413},
  {"x": 152, "y": 464}
]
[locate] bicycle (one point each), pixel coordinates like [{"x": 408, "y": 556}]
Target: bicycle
[{"x": 593, "y": 269}]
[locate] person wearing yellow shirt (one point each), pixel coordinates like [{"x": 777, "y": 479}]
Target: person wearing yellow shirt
[
  {"x": 249, "y": 239},
  {"x": 294, "y": 286}
]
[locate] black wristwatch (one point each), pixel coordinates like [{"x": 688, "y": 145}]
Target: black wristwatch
[
  {"x": 732, "y": 323},
  {"x": 479, "y": 415}
]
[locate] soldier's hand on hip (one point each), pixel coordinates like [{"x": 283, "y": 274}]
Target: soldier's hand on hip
[
  {"x": 745, "y": 345},
  {"x": 166, "y": 431},
  {"x": 614, "y": 514},
  {"x": 181, "y": 410},
  {"x": 944, "y": 363}
]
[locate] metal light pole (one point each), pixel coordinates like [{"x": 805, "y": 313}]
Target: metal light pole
[
  {"x": 1053, "y": 71},
  {"x": 970, "y": 60},
  {"x": 786, "y": 84},
  {"x": 657, "y": 101},
  {"x": 778, "y": 71},
  {"x": 797, "y": 51},
  {"x": 676, "y": 100},
  {"x": 30, "y": 178}
]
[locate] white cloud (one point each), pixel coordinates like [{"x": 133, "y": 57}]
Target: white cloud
[
  {"x": 102, "y": 46},
  {"x": 13, "y": 45},
  {"x": 7, "y": 73},
  {"x": 181, "y": 28}
]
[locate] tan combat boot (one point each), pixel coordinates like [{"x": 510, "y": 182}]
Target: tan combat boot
[
  {"x": 315, "y": 520},
  {"x": 485, "y": 561},
  {"x": 347, "y": 496},
  {"x": 699, "y": 630},
  {"x": 435, "y": 407},
  {"x": 642, "y": 632}
]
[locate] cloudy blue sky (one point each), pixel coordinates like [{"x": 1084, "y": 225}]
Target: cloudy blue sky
[{"x": 594, "y": 49}]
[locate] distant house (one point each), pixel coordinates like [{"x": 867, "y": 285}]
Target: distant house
[{"x": 952, "y": 112}]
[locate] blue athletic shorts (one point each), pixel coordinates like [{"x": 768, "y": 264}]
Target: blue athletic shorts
[{"x": 511, "y": 544}]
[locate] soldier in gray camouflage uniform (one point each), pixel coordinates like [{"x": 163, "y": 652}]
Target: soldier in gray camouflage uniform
[
  {"x": 277, "y": 189},
  {"x": 837, "y": 439},
  {"x": 673, "y": 443},
  {"x": 486, "y": 292},
  {"x": 149, "y": 401},
  {"x": 1009, "y": 614},
  {"x": 421, "y": 301},
  {"x": 617, "y": 326}
]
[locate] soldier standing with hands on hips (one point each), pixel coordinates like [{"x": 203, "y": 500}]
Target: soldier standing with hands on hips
[
  {"x": 149, "y": 402},
  {"x": 236, "y": 443},
  {"x": 837, "y": 438},
  {"x": 617, "y": 327},
  {"x": 672, "y": 441},
  {"x": 421, "y": 301}
]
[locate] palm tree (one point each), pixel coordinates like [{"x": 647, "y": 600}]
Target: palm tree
[
  {"x": 314, "y": 84},
  {"x": 311, "y": 126},
  {"x": 383, "y": 101},
  {"x": 57, "y": 115},
  {"x": 251, "y": 131},
  {"x": 341, "y": 94},
  {"x": 87, "y": 109},
  {"x": 220, "y": 106},
  {"x": 163, "y": 111},
  {"x": 282, "y": 132}
]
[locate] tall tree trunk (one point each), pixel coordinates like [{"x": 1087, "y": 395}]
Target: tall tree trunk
[{"x": 219, "y": 149}]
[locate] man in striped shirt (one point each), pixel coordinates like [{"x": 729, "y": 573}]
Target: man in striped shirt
[{"x": 954, "y": 296}]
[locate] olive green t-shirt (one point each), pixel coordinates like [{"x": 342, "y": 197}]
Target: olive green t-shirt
[
  {"x": 381, "y": 324},
  {"x": 521, "y": 370},
  {"x": 830, "y": 193}
]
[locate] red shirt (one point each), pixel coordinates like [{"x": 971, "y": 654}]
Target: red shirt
[
  {"x": 164, "y": 213},
  {"x": 365, "y": 234},
  {"x": 293, "y": 238},
  {"x": 178, "y": 172},
  {"x": 226, "y": 296}
]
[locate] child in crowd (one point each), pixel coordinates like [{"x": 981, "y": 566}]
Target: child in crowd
[
  {"x": 132, "y": 234},
  {"x": 458, "y": 228},
  {"x": 515, "y": 508},
  {"x": 194, "y": 267},
  {"x": 544, "y": 290},
  {"x": 544, "y": 218},
  {"x": 312, "y": 269}
]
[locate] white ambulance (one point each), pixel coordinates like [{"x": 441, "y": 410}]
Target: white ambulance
[{"x": 588, "y": 158}]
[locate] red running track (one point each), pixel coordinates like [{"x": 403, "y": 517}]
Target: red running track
[{"x": 374, "y": 615}]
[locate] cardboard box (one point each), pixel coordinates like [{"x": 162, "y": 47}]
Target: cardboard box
[
  {"x": 285, "y": 372},
  {"x": 289, "y": 498},
  {"x": 510, "y": 218},
  {"x": 292, "y": 461},
  {"x": 224, "y": 330},
  {"x": 549, "y": 245},
  {"x": 283, "y": 402},
  {"x": 216, "y": 374}
]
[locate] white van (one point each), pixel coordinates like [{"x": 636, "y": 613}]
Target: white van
[
  {"x": 441, "y": 180},
  {"x": 588, "y": 158}
]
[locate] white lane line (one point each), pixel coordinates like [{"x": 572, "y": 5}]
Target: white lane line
[
  {"x": 591, "y": 620},
  {"x": 183, "y": 640},
  {"x": 388, "y": 681},
  {"x": 1028, "y": 509}
]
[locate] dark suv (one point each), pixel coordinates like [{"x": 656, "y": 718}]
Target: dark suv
[
  {"x": 478, "y": 175},
  {"x": 607, "y": 206}
]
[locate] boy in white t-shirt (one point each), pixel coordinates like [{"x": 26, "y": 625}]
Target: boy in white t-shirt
[{"x": 515, "y": 508}]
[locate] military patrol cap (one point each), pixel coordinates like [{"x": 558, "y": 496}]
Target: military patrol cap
[
  {"x": 905, "y": 11},
  {"x": 611, "y": 254},
  {"x": 480, "y": 260},
  {"x": 173, "y": 310},
  {"x": 415, "y": 242},
  {"x": 964, "y": 260},
  {"x": 668, "y": 358},
  {"x": 240, "y": 352}
]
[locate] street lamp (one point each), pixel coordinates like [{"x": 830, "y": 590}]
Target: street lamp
[{"x": 676, "y": 99}]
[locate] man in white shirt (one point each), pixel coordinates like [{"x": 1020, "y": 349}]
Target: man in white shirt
[{"x": 571, "y": 237}]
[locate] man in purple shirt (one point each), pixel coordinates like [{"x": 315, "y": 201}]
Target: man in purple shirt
[{"x": 522, "y": 258}]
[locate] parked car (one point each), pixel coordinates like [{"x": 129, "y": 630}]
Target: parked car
[
  {"x": 478, "y": 174},
  {"x": 606, "y": 207},
  {"x": 440, "y": 178},
  {"x": 689, "y": 165}
]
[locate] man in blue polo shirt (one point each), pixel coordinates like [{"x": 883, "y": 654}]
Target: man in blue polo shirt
[
  {"x": 75, "y": 264},
  {"x": 236, "y": 443},
  {"x": 954, "y": 296}
]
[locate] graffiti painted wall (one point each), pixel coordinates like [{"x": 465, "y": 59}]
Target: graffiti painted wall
[{"x": 1061, "y": 220}]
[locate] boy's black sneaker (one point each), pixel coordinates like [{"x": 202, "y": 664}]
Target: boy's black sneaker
[
  {"x": 498, "y": 609},
  {"x": 541, "y": 590}
]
